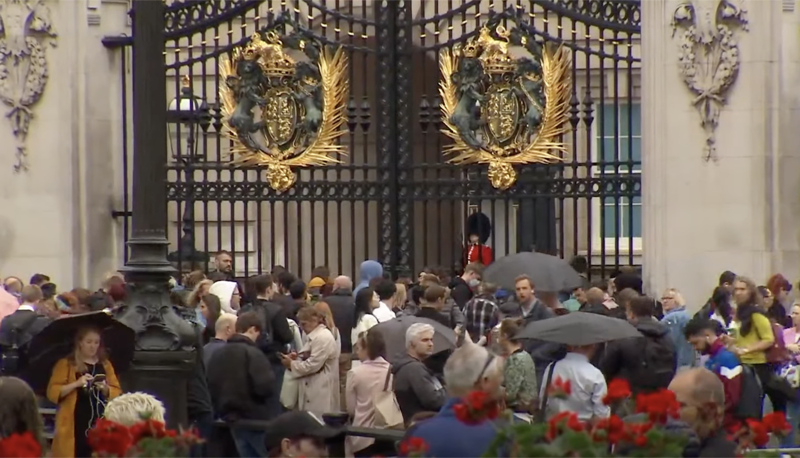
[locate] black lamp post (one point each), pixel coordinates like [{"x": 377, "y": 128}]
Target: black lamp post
[
  {"x": 165, "y": 342},
  {"x": 187, "y": 114}
]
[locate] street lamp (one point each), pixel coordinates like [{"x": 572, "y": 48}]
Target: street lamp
[{"x": 187, "y": 114}]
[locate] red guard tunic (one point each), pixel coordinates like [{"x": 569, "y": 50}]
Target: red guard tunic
[{"x": 478, "y": 253}]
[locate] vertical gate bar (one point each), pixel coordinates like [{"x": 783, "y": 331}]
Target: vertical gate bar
[
  {"x": 404, "y": 235},
  {"x": 126, "y": 208},
  {"x": 386, "y": 129}
]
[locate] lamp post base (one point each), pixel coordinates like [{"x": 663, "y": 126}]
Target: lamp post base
[{"x": 165, "y": 342}]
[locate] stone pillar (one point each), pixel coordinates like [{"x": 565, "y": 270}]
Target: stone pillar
[{"x": 704, "y": 215}]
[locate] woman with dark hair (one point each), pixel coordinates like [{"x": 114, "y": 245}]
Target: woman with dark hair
[
  {"x": 81, "y": 385},
  {"x": 19, "y": 411},
  {"x": 775, "y": 310},
  {"x": 210, "y": 308},
  {"x": 780, "y": 288},
  {"x": 366, "y": 301},
  {"x": 364, "y": 382},
  {"x": 721, "y": 309},
  {"x": 754, "y": 337}
]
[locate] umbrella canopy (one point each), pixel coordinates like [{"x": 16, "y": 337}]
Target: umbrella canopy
[
  {"x": 579, "y": 328},
  {"x": 548, "y": 273},
  {"x": 56, "y": 341},
  {"x": 394, "y": 333}
]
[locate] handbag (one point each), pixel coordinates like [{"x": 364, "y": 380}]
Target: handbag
[
  {"x": 290, "y": 391},
  {"x": 387, "y": 410}
]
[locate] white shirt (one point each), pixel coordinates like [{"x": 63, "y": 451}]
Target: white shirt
[
  {"x": 588, "y": 388},
  {"x": 28, "y": 307},
  {"x": 383, "y": 313}
]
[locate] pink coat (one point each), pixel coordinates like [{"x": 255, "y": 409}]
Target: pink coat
[
  {"x": 8, "y": 303},
  {"x": 363, "y": 382}
]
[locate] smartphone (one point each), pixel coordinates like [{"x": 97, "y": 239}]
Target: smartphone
[{"x": 99, "y": 378}]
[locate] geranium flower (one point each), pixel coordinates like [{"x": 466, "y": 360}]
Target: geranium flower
[
  {"x": 476, "y": 408},
  {"x": 560, "y": 388},
  {"x": 22, "y": 445},
  {"x": 618, "y": 390},
  {"x": 758, "y": 432},
  {"x": 413, "y": 446},
  {"x": 110, "y": 438},
  {"x": 658, "y": 406},
  {"x": 776, "y": 423}
]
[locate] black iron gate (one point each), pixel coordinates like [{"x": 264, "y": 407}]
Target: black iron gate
[{"x": 395, "y": 199}]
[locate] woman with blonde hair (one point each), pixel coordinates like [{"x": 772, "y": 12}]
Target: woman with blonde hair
[
  {"x": 19, "y": 410},
  {"x": 675, "y": 318},
  {"x": 81, "y": 385},
  {"x": 197, "y": 294},
  {"x": 316, "y": 366}
]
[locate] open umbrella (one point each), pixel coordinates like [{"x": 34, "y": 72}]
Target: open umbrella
[
  {"x": 394, "y": 334},
  {"x": 57, "y": 340},
  {"x": 548, "y": 273},
  {"x": 579, "y": 328}
]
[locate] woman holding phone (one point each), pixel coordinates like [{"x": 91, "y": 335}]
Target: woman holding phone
[{"x": 81, "y": 384}]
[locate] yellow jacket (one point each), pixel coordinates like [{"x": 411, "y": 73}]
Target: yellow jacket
[{"x": 64, "y": 374}]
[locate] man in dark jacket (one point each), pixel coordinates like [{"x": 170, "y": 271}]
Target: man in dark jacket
[
  {"x": 241, "y": 383},
  {"x": 531, "y": 309},
  {"x": 461, "y": 288},
  {"x": 649, "y": 362},
  {"x": 343, "y": 308},
  {"x": 415, "y": 387},
  {"x": 275, "y": 334}
]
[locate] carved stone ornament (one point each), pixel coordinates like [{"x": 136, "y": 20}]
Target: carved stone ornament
[
  {"x": 709, "y": 56},
  {"x": 25, "y": 27}
]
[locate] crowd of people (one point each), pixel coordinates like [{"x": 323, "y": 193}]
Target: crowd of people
[{"x": 280, "y": 349}]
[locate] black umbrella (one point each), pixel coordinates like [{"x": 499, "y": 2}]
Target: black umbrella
[
  {"x": 57, "y": 341},
  {"x": 548, "y": 273},
  {"x": 579, "y": 328},
  {"x": 394, "y": 333}
]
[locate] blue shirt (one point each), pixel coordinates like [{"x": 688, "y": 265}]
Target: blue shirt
[
  {"x": 676, "y": 320},
  {"x": 448, "y": 437}
]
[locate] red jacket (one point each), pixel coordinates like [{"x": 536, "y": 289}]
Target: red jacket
[{"x": 478, "y": 253}]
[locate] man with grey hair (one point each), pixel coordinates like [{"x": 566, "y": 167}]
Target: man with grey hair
[
  {"x": 415, "y": 387},
  {"x": 470, "y": 368},
  {"x": 131, "y": 408}
]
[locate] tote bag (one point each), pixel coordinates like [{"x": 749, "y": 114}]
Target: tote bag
[{"x": 387, "y": 410}]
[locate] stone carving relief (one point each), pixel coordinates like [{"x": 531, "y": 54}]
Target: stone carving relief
[
  {"x": 709, "y": 56},
  {"x": 25, "y": 29}
]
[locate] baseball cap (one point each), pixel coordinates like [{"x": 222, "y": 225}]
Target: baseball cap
[{"x": 297, "y": 424}]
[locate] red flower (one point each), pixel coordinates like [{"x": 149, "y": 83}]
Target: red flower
[
  {"x": 614, "y": 428},
  {"x": 640, "y": 441},
  {"x": 560, "y": 421},
  {"x": 618, "y": 390},
  {"x": 559, "y": 388},
  {"x": 658, "y": 406},
  {"x": 776, "y": 423},
  {"x": 476, "y": 400},
  {"x": 413, "y": 446},
  {"x": 22, "y": 445},
  {"x": 475, "y": 408},
  {"x": 759, "y": 432},
  {"x": 109, "y": 438},
  {"x": 150, "y": 428}
]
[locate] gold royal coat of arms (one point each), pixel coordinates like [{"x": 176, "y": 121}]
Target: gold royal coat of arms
[
  {"x": 504, "y": 111},
  {"x": 280, "y": 112}
]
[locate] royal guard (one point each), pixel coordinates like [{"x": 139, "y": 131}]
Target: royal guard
[{"x": 479, "y": 227}]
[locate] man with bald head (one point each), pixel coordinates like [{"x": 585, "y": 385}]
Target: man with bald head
[
  {"x": 702, "y": 397},
  {"x": 223, "y": 329},
  {"x": 343, "y": 308}
]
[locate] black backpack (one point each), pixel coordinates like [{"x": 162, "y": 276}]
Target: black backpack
[
  {"x": 656, "y": 365},
  {"x": 264, "y": 341}
]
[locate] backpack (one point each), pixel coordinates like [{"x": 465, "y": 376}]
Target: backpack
[
  {"x": 750, "y": 402},
  {"x": 656, "y": 365}
]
